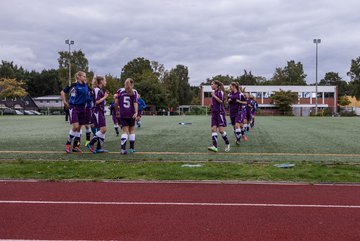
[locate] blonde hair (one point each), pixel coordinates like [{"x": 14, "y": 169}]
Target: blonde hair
[
  {"x": 129, "y": 85},
  {"x": 96, "y": 81},
  {"x": 78, "y": 74}
]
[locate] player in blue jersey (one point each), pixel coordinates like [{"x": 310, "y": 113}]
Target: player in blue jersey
[
  {"x": 142, "y": 106},
  {"x": 78, "y": 95},
  {"x": 99, "y": 121},
  {"x": 126, "y": 104},
  {"x": 218, "y": 120},
  {"x": 236, "y": 100}
]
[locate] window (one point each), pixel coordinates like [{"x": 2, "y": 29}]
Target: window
[
  {"x": 48, "y": 101},
  {"x": 14, "y": 99},
  {"x": 57, "y": 101},
  {"x": 267, "y": 95},
  {"x": 41, "y": 101},
  {"x": 328, "y": 94},
  {"x": 254, "y": 94},
  {"x": 258, "y": 95},
  {"x": 207, "y": 94},
  {"x": 307, "y": 94},
  {"x": 300, "y": 95},
  {"x": 4, "y": 99}
]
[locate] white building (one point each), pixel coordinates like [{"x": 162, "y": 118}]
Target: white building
[{"x": 50, "y": 101}]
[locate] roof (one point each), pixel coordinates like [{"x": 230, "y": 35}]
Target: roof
[
  {"x": 270, "y": 88},
  {"x": 48, "y": 97}
]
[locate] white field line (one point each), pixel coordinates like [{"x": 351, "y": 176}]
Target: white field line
[
  {"x": 181, "y": 204},
  {"x": 198, "y": 153}
]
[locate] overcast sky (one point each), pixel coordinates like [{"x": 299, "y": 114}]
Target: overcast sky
[{"x": 209, "y": 37}]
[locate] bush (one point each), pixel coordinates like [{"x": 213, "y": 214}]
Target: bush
[
  {"x": 197, "y": 111},
  {"x": 347, "y": 113}
]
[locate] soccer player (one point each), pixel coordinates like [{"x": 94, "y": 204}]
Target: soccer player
[
  {"x": 218, "y": 120},
  {"x": 235, "y": 101},
  {"x": 88, "y": 117},
  {"x": 126, "y": 104},
  {"x": 99, "y": 121},
  {"x": 78, "y": 93},
  {"x": 113, "y": 116},
  {"x": 142, "y": 106},
  {"x": 248, "y": 108},
  {"x": 254, "y": 105}
]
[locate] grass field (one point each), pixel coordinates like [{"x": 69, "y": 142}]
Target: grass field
[{"x": 320, "y": 141}]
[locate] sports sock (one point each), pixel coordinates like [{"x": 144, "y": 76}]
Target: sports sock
[
  {"x": 77, "y": 139},
  {"x": 70, "y": 137},
  {"x": 123, "y": 140},
  {"x": 225, "y": 138},
  {"x": 88, "y": 134},
  {"x": 238, "y": 134},
  {"x": 214, "y": 138},
  {"x": 132, "y": 141}
]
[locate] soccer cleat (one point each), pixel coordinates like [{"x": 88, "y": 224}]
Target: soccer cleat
[
  {"x": 213, "y": 148},
  {"x": 227, "y": 148},
  {"x": 86, "y": 143},
  {"x": 238, "y": 142},
  {"x": 91, "y": 147},
  {"x": 67, "y": 148},
  {"x": 76, "y": 149},
  {"x": 100, "y": 151},
  {"x": 123, "y": 152},
  {"x": 131, "y": 151},
  {"x": 245, "y": 138}
]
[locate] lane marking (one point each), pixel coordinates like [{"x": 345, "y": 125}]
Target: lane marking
[
  {"x": 183, "y": 204},
  {"x": 199, "y": 153},
  {"x": 192, "y": 182}
]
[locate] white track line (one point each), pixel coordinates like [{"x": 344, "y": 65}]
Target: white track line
[{"x": 182, "y": 204}]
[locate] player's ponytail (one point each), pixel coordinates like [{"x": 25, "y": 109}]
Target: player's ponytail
[
  {"x": 219, "y": 85},
  {"x": 129, "y": 84}
]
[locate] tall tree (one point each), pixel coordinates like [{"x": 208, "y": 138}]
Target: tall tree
[
  {"x": 45, "y": 83},
  {"x": 225, "y": 79},
  {"x": 135, "y": 69},
  {"x": 247, "y": 78},
  {"x": 354, "y": 74},
  {"x": 292, "y": 74},
  {"x": 11, "y": 71},
  {"x": 333, "y": 78},
  {"x": 78, "y": 62}
]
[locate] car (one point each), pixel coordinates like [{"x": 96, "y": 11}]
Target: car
[
  {"x": 9, "y": 111},
  {"x": 27, "y": 112},
  {"x": 35, "y": 112},
  {"x": 18, "y": 112}
]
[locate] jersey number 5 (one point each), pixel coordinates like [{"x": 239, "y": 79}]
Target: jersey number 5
[{"x": 126, "y": 102}]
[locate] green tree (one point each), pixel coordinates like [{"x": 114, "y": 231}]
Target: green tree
[
  {"x": 11, "y": 71},
  {"x": 332, "y": 78},
  {"x": 292, "y": 74},
  {"x": 11, "y": 88},
  {"x": 247, "y": 78},
  {"x": 225, "y": 79},
  {"x": 354, "y": 75},
  {"x": 112, "y": 85},
  {"x": 284, "y": 99},
  {"x": 78, "y": 61},
  {"x": 45, "y": 83},
  {"x": 135, "y": 69}
]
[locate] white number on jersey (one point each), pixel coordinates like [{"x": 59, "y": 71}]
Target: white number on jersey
[{"x": 126, "y": 102}]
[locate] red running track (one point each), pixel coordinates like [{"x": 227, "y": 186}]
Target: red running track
[{"x": 178, "y": 211}]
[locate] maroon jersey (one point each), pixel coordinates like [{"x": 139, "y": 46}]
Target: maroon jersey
[{"x": 126, "y": 103}]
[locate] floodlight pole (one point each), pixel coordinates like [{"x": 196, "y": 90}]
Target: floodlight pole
[
  {"x": 69, "y": 42},
  {"x": 316, "y": 42}
]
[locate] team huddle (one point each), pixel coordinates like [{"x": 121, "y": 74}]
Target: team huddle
[
  {"x": 87, "y": 108},
  {"x": 242, "y": 110}
]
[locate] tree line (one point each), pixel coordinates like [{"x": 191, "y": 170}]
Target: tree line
[{"x": 158, "y": 86}]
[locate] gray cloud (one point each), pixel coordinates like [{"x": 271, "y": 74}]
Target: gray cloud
[{"x": 210, "y": 37}]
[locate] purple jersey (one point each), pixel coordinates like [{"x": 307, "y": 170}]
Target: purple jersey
[
  {"x": 126, "y": 103},
  {"x": 97, "y": 95},
  {"x": 234, "y": 106},
  {"x": 216, "y": 106}
]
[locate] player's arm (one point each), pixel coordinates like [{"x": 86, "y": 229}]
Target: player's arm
[
  {"x": 136, "y": 107},
  {"x": 63, "y": 98},
  {"x": 116, "y": 106},
  {"x": 216, "y": 98}
]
